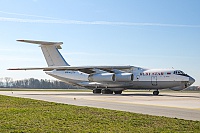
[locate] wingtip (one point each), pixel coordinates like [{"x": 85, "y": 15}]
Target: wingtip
[
  {"x": 20, "y": 40},
  {"x": 11, "y": 69}
]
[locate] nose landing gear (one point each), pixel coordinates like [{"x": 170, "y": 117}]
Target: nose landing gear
[{"x": 155, "y": 92}]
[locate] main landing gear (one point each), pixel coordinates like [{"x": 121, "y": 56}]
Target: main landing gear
[
  {"x": 97, "y": 91},
  {"x": 118, "y": 92},
  {"x": 155, "y": 92},
  {"x": 105, "y": 91}
]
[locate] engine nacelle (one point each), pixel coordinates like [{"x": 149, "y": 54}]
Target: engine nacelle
[
  {"x": 101, "y": 77},
  {"x": 123, "y": 77}
]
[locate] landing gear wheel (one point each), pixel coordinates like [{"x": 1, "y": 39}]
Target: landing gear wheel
[
  {"x": 103, "y": 91},
  {"x": 97, "y": 91},
  {"x": 155, "y": 92},
  {"x": 111, "y": 92},
  {"x": 106, "y": 91},
  {"x": 118, "y": 92}
]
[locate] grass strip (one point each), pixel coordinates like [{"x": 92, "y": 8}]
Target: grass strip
[{"x": 26, "y": 115}]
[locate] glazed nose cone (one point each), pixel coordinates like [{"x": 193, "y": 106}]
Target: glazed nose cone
[{"x": 191, "y": 80}]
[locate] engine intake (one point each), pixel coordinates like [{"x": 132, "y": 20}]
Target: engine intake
[{"x": 101, "y": 77}]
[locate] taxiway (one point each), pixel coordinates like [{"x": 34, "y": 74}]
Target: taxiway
[{"x": 169, "y": 104}]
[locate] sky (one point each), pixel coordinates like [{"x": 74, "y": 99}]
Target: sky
[{"x": 144, "y": 33}]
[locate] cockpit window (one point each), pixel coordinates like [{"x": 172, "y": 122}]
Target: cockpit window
[
  {"x": 174, "y": 72},
  {"x": 180, "y": 73}
]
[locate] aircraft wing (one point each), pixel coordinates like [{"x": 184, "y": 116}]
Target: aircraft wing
[{"x": 86, "y": 69}]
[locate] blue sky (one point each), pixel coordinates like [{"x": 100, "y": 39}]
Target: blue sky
[{"x": 150, "y": 34}]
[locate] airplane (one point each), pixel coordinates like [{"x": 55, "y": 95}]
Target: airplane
[{"x": 108, "y": 79}]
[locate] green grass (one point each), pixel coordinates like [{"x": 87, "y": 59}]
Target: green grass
[{"x": 26, "y": 115}]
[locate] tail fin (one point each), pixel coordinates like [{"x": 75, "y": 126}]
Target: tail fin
[{"x": 50, "y": 51}]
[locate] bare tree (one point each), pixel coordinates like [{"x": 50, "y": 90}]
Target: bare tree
[
  {"x": 9, "y": 81},
  {"x": 1, "y": 82},
  {"x": 35, "y": 83}
]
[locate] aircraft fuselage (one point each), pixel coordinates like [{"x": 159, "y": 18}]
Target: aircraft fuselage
[{"x": 142, "y": 79}]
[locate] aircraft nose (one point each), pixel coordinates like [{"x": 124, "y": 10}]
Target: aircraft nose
[{"x": 191, "y": 80}]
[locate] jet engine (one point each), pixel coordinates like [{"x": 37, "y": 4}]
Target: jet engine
[
  {"x": 101, "y": 77},
  {"x": 123, "y": 77}
]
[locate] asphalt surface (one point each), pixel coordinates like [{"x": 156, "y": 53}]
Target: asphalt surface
[{"x": 169, "y": 104}]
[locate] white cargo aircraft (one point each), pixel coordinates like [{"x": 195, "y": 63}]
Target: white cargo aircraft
[{"x": 108, "y": 79}]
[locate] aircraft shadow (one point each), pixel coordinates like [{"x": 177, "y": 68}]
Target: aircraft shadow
[
  {"x": 182, "y": 96},
  {"x": 167, "y": 95}
]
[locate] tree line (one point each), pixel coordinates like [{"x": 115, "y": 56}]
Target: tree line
[{"x": 8, "y": 82}]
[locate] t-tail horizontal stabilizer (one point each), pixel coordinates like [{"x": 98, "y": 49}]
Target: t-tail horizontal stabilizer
[{"x": 50, "y": 51}]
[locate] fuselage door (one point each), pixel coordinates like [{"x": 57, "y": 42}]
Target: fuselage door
[{"x": 154, "y": 80}]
